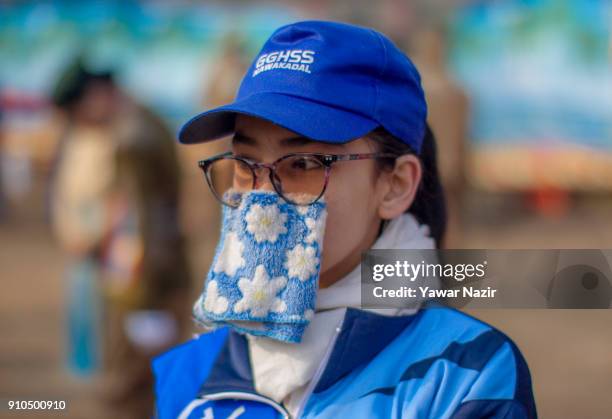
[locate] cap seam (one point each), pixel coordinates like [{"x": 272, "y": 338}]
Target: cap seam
[{"x": 382, "y": 70}]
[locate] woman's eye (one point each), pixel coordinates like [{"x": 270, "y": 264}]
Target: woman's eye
[{"x": 305, "y": 164}]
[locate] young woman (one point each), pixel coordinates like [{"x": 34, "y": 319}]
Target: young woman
[{"x": 331, "y": 156}]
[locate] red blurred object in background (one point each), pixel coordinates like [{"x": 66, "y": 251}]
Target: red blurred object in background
[{"x": 549, "y": 201}]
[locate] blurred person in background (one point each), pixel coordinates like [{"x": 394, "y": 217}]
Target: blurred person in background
[
  {"x": 145, "y": 268},
  {"x": 80, "y": 187},
  {"x": 115, "y": 210}
]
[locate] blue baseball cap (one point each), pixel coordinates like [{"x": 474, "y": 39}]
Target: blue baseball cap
[{"x": 327, "y": 81}]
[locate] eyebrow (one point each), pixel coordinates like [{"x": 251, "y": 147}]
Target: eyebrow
[{"x": 300, "y": 140}]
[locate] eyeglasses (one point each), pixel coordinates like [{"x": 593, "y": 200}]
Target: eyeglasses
[{"x": 299, "y": 178}]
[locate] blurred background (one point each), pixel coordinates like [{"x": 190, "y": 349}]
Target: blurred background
[{"x": 107, "y": 228}]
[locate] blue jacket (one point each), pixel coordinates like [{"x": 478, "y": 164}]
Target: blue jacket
[{"x": 437, "y": 363}]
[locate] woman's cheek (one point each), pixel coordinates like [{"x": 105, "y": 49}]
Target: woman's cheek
[
  {"x": 330, "y": 236},
  {"x": 342, "y": 230},
  {"x": 349, "y": 200}
]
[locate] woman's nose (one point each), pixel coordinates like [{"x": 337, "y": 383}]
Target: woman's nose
[{"x": 262, "y": 179}]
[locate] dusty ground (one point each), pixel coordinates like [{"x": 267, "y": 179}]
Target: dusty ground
[{"x": 569, "y": 352}]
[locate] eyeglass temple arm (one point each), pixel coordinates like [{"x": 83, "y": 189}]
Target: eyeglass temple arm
[{"x": 363, "y": 156}]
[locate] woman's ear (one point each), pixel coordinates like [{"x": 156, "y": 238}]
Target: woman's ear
[{"x": 399, "y": 186}]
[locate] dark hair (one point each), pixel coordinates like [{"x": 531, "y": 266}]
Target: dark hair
[
  {"x": 429, "y": 205},
  {"x": 73, "y": 82}
]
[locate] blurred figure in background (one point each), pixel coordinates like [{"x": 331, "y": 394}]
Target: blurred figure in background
[
  {"x": 115, "y": 206},
  {"x": 80, "y": 188},
  {"x": 144, "y": 259}
]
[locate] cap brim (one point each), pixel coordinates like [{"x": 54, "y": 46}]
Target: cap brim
[{"x": 310, "y": 119}]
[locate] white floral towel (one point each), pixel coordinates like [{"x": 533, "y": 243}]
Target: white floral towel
[{"x": 264, "y": 276}]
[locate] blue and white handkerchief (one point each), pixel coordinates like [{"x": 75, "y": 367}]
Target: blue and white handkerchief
[{"x": 264, "y": 276}]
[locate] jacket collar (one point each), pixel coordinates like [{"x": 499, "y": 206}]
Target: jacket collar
[
  {"x": 363, "y": 335},
  {"x": 231, "y": 370}
]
